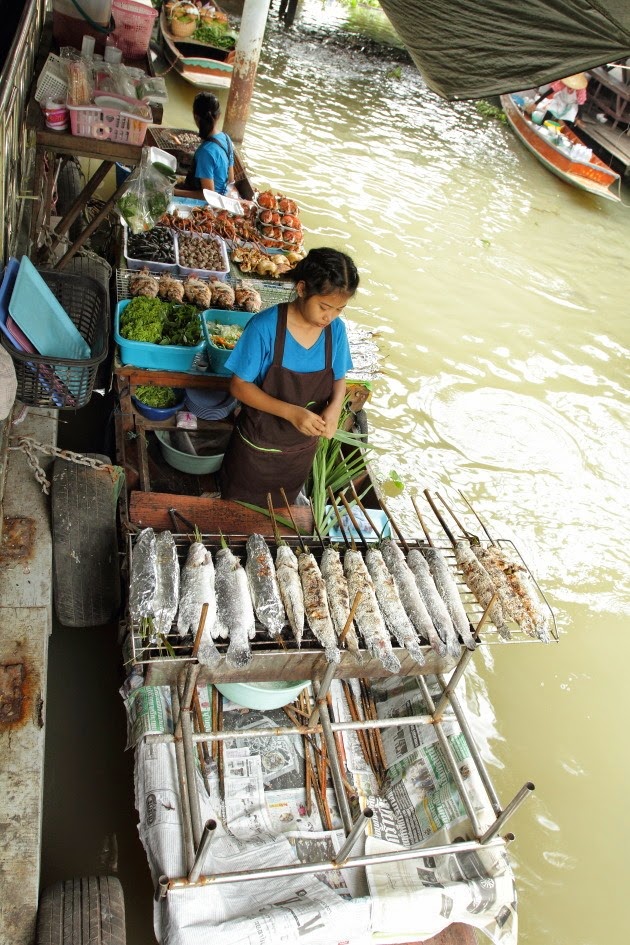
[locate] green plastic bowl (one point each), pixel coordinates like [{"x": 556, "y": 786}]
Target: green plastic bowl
[
  {"x": 197, "y": 465},
  {"x": 262, "y": 695}
]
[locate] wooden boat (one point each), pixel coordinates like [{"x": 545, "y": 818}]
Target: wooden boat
[
  {"x": 593, "y": 176},
  {"x": 204, "y": 66}
]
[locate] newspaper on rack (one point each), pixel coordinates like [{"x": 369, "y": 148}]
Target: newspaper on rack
[{"x": 260, "y": 806}]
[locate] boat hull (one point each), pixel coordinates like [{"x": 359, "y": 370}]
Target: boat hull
[
  {"x": 194, "y": 62},
  {"x": 595, "y": 177}
]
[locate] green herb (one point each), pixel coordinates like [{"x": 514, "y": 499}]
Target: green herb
[
  {"x": 218, "y": 36},
  {"x": 162, "y": 323},
  {"x": 159, "y": 397}
]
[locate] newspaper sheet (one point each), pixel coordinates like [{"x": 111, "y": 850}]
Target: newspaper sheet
[{"x": 260, "y": 806}]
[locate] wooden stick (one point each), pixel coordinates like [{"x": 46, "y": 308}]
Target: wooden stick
[
  {"x": 414, "y": 502},
  {"x": 220, "y": 753},
  {"x": 372, "y": 713},
  {"x": 202, "y": 623},
  {"x": 353, "y": 610},
  {"x": 462, "y": 527},
  {"x": 215, "y": 716},
  {"x": 477, "y": 516},
  {"x": 354, "y": 715}
]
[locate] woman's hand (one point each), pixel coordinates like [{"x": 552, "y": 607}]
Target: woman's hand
[
  {"x": 330, "y": 416},
  {"x": 307, "y": 422}
]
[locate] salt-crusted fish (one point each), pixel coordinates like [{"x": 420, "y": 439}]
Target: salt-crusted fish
[
  {"x": 480, "y": 584},
  {"x": 143, "y": 577},
  {"x": 167, "y": 583},
  {"x": 368, "y": 616},
  {"x": 446, "y": 586},
  {"x": 316, "y": 605},
  {"x": 197, "y": 589},
  {"x": 391, "y": 605},
  {"x": 263, "y": 585},
  {"x": 291, "y": 589},
  {"x": 235, "y": 612},
  {"x": 338, "y": 597},
  {"x": 412, "y": 598},
  {"x": 516, "y": 589}
]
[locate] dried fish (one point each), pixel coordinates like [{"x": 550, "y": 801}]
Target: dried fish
[
  {"x": 391, "y": 605},
  {"x": 413, "y": 599},
  {"x": 338, "y": 597},
  {"x": 291, "y": 589},
  {"x": 368, "y": 615},
  {"x": 316, "y": 605},
  {"x": 197, "y": 589},
  {"x": 144, "y": 283},
  {"x": 170, "y": 289},
  {"x": 516, "y": 589},
  {"x": 480, "y": 583},
  {"x": 235, "y": 612},
  {"x": 143, "y": 577},
  {"x": 263, "y": 585},
  {"x": 167, "y": 585},
  {"x": 446, "y": 587}
]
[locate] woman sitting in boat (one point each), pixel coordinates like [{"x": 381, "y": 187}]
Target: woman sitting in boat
[
  {"x": 289, "y": 369},
  {"x": 561, "y": 99},
  {"x": 213, "y": 161}
]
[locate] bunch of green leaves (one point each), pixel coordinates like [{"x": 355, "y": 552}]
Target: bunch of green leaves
[
  {"x": 218, "y": 35},
  {"x": 488, "y": 110},
  {"x": 334, "y": 467},
  {"x": 162, "y": 323},
  {"x": 154, "y": 396}
]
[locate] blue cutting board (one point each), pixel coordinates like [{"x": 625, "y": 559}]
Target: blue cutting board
[{"x": 42, "y": 319}]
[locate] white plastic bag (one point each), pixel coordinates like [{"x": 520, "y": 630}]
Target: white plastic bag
[{"x": 8, "y": 384}]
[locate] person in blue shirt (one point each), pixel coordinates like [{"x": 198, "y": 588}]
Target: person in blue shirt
[
  {"x": 289, "y": 369},
  {"x": 213, "y": 161}
]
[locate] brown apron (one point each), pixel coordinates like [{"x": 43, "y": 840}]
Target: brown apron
[{"x": 265, "y": 452}]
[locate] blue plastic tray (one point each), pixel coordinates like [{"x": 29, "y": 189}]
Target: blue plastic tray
[
  {"x": 43, "y": 320},
  {"x": 143, "y": 354},
  {"x": 6, "y": 288}
]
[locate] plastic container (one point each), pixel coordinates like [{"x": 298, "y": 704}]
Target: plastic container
[
  {"x": 218, "y": 356},
  {"x": 109, "y": 124},
  {"x": 221, "y": 274},
  {"x": 70, "y": 26},
  {"x": 185, "y": 462},
  {"x": 65, "y": 383},
  {"x": 160, "y": 413},
  {"x": 134, "y": 25},
  {"x": 262, "y": 695},
  {"x": 52, "y": 81},
  {"x": 143, "y": 354},
  {"x": 149, "y": 264}
]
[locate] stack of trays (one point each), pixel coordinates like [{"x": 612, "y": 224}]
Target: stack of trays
[{"x": 209, "y": 404}]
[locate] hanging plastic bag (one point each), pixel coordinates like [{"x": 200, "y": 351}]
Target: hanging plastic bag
[
  {"x": 8, "y": 384},
  {"x": 147, "y": 196}
]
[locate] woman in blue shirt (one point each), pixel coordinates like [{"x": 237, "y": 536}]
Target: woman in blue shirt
[
  {"x": 289, "y": 369},
  {"x": 213, "y": 162}
]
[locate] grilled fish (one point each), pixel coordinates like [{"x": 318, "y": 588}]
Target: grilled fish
[
  {"x": 316, "y": 605},
  {"x": 263, "y": 585},
  {"x": 368, "y": 616},
  {"x": 197, "y": 589},
  {"x": 480, "y": 583},
  {"x": 412, "y": 598},
  {"x": 290, "y": 589},
  {"x": 143, "y": 577},
  {"x": 167, "y": 583},
  {"x": 446, "y": 587},
  {"x": 338, "y": 597},
  {"x": 391, "y": 605},
  {"x": 516, "y": 588},
  {"x": 235, "y": 612}
]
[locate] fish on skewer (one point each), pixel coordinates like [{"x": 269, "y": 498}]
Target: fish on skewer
[
  {"x": 235, "y": 611},
  {"x": 291, "y": 589},
  {"x": 143, "y": 577},
  {"x": 415, "y": 601},
  {"x": 391, "y": 605},
  {"x": 338, "y": 597},
  {"x": 167, "y": 583},
  {"x": 480, "y": 584},
  {"x": 316, "y": 605},
  {"x": 263, "y": 585},
  {"x": 446, "y": 587},
  {"x": 197, "y": 589},
  {"x": 368, "y": 615},
  {"x": 516, "y": 590}
]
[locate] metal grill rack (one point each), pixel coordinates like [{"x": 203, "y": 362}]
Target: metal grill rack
[{"x": 271, "y": 292}]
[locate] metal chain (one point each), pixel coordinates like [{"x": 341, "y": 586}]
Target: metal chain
[{"x": 29, "y": 446}]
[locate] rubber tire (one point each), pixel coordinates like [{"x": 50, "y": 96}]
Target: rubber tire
[
  {"x": 69, "y": 186},
  {"x": 361, "y": 424},
  {"x": 89, "y": 910},
  {"x": 86, "y": 574}
]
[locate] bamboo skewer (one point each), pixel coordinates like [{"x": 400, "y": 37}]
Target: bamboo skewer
[
  {"x": 399, "y": 534},
  {"x": 377, "y": 534},
  {"x": 293, "y": 522},
  {"x": 215, "y": 716},
  {"x": 352, "y": 518},
  {"x": 440, "y": 517},
  {"x": 198, "y": 635},
  {"x": 462, "y": 527},
  {"x": 427, "y": 535},
  {"x": 333, "y": 502},
  {"x": 478, "y": 517}
]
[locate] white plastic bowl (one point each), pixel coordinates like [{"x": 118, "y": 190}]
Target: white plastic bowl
[{"x": 262, "y": 695}]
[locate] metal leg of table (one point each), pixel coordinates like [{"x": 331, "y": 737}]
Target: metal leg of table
[
  {"x": 87, "y": 232},
  {"x": 80, "y": 203}
]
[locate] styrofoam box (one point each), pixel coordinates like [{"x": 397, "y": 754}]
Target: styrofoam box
[
  {"x": 143, "y": 354},
  {"x": 204, "y": 273},
  {"x": 147, "y": 263}
]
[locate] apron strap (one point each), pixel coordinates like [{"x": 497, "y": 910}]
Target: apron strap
[{"x": 281, "y": 330}]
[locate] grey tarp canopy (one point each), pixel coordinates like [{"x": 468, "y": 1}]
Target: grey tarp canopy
[{"x": 473, "y": 48}]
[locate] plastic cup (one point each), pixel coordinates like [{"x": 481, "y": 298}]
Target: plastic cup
[{"x": 56, "y": 115}]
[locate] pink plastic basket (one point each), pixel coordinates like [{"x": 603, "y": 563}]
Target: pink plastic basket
[
  {"x": 109, "y": 124},
  {"x": 134, "y": 25}
]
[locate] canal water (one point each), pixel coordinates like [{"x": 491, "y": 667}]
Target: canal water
[{"x": 497, "y": 296}]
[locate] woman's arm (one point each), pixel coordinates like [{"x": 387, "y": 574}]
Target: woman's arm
[
  {"x": 307, "y": 422},
  {"x": 206, "y": 183},
  {"x": 332, "y": 411}
]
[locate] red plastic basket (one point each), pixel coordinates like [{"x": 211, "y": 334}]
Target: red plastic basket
[{"x": 134, "y": 25}]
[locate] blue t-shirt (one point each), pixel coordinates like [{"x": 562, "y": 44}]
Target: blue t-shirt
[
  {"x": 253, "y": 355},
  {"x": 213, "y": 161}
]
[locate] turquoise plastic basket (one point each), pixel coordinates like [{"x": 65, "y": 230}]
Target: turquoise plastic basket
[
  {"x": 218, "y": 356},
  {"x": 142, "y": 354}
]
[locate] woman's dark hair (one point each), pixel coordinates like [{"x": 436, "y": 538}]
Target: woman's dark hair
[
  {"x": 326, "y": 270},
  {"x": 207, "y": 108}
]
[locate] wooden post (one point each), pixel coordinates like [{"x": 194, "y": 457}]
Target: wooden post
[{"x": 250, "y": 39}]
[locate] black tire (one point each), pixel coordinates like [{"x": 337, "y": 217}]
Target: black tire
[
  {"x": 360, "y": 425},
  {"x": 83, "y": 911},
  {"x": 69, "y": 186},
  {"x": 86, "y": 577}
]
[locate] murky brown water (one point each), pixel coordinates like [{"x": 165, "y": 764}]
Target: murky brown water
[{"x": 498, "y": 297}]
